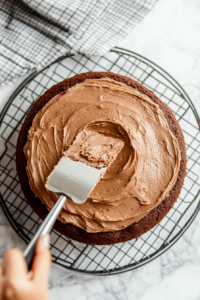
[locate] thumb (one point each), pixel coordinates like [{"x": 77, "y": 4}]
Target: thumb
[{"x": 41, "y": 260}]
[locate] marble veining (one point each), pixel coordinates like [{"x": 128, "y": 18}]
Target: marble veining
[{"x": 169, "y": 36}]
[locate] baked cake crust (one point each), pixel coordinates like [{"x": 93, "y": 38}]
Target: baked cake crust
[{"x": 101, "y": 238}]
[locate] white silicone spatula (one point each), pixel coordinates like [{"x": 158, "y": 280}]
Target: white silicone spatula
[{"x": 72, "y": 179}]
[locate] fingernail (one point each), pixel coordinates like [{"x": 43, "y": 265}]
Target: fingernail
[
  {"x": 9, "y": 293},
  {"x": 30, "y": 275},
  {"x": 46, "y": 240},
  {"x": 2, "y": 262}
]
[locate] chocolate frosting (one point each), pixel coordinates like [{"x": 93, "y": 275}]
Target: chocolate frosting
[{"x": 105, "y": 123}]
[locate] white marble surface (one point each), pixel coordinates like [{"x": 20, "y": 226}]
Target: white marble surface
[{"x": 170, "y": 36}]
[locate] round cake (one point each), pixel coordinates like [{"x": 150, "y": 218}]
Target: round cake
[{"x": 104, "y": 120}]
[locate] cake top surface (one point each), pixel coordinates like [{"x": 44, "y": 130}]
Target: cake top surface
[{"x": 105, "y": 123}]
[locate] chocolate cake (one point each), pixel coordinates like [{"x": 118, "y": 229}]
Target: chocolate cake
[{"x": 104, "y": 119}]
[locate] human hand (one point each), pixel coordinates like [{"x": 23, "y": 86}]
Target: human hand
[{"x": 16, "y": 283}]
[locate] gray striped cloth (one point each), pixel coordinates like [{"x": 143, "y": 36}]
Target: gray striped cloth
[{"x": 33, "y": 33}]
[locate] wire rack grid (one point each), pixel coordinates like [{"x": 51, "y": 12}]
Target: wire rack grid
[{"x": 117, "y": 258}]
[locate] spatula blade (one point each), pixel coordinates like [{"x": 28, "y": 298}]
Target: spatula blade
[{"x": 74, "y": 179}]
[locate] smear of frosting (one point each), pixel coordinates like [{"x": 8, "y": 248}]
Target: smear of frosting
[{"x": 105, "y": 123}]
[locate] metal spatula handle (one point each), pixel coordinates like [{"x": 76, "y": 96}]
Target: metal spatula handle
[{"x": 44, "y": 229}]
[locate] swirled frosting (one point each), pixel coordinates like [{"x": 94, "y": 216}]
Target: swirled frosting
[{"x": 105, "y": 123}]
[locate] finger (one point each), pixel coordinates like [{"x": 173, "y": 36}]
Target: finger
[
  {"x": 1, "y": 289},
  {"x": 14, "y": 264},
  {"x": 42, "y": 260},
  {"x": 1, "y": 281},
  {"x": 1, "y": 271}
]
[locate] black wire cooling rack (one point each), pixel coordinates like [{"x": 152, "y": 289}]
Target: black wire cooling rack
[{"x": 102, "y": 260}]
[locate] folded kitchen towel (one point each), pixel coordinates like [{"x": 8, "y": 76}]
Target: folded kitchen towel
[{"x": 33, "y": 33}]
